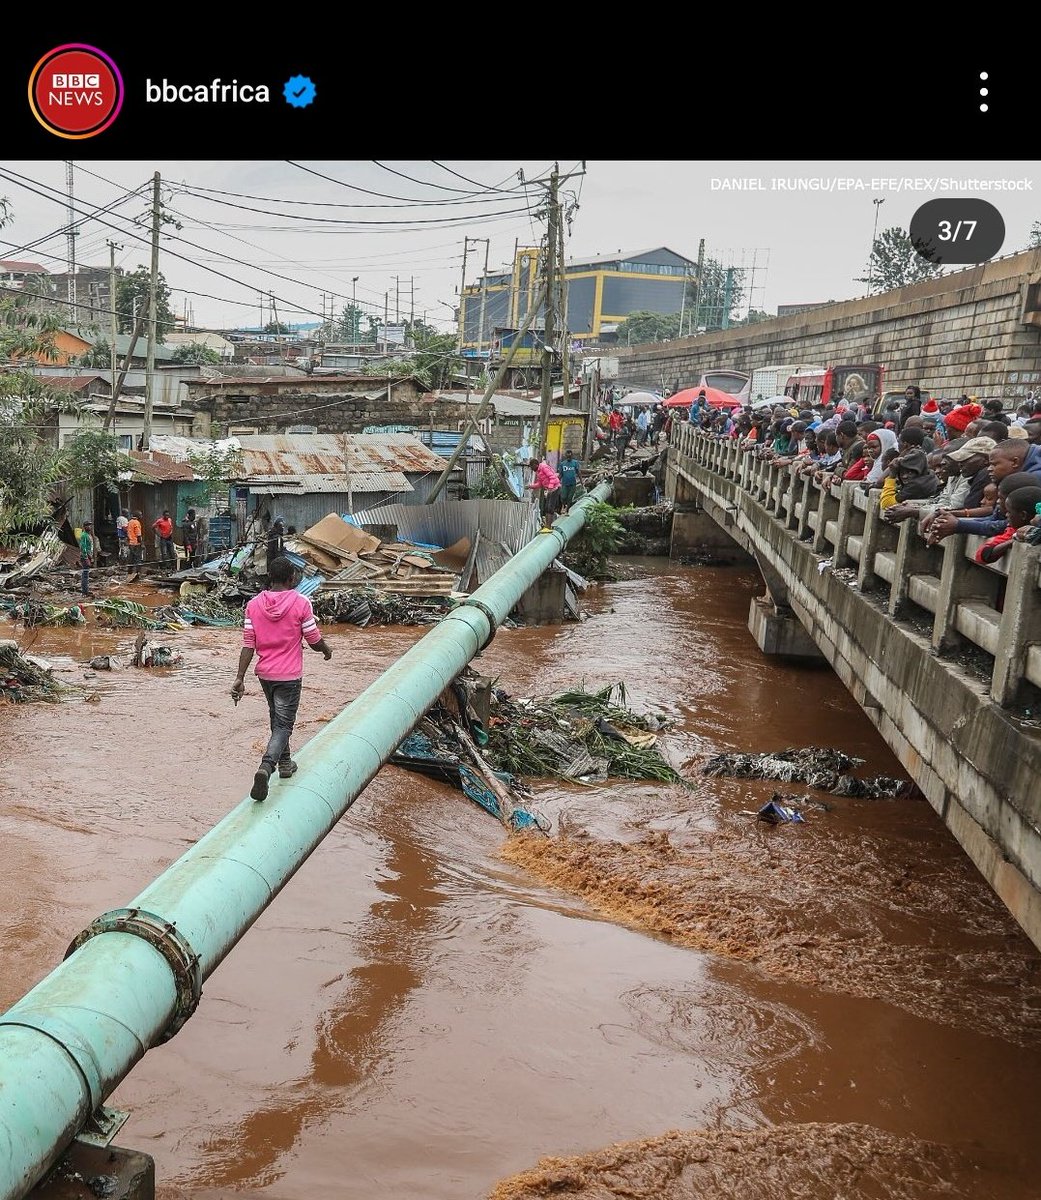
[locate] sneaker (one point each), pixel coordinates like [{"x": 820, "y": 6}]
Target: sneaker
[
  {"x": 287, "y": 769},
  {"x": 259, "y": 789}
]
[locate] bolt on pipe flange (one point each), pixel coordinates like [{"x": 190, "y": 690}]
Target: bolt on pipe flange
[
  {"x": 171, "y": 944},
  {"x": 482, "y": 607}
]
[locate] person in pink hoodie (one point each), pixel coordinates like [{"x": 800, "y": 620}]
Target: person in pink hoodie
[{"x": 277, "y": 623}]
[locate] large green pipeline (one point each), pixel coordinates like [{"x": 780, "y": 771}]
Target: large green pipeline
[{"x": 134, "y": 977}]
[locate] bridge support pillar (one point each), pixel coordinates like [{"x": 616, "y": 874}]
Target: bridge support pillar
[
  {"x": 543, "y": 602},
  {"x": 695, "y": 532},
  {"x": 87, "y": 1171},
  {"x": 780, "y": 633}
]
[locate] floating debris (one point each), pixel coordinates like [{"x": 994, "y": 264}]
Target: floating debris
[
  {"x": 34, "y": 612},
  {"x": 120, "y": 612},
  {"x": 778, "y": 814},
  {"x": 578, "y": 735},
  {"x": 816, "y": 766},
  {"x": 370, "y": 606},
  {"x": 150, "y": 654},
  {"x": 24, "y": 678},
  {"x": 197, "y": 609},
  {"x": 437, "y": 750},
  {"x": 106, "y": 662}
]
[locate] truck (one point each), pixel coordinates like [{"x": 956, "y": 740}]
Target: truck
[{"x": 766, "y": 382}]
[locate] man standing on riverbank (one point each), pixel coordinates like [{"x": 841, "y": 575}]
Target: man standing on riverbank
[
  {"x": 277, "y": 622},
  {"x": 88, "y": 556},
  {"x": 135, "y": 540},
  {"x": 164, "y": 528}
]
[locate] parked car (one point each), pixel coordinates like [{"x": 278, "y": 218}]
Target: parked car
[{"x": 888, "y": 397}]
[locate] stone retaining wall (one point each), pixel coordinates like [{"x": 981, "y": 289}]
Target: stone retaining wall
[{"x": 974, "y": 331}]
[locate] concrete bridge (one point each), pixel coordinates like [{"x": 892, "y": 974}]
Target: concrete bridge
[{"x": 944, "y": 655}]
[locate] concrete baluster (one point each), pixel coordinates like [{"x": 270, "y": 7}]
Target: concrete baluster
[
  {"x": 960, "y": 579},
  {"x": 1020, "y": 624},
  {"x": 913, "y": 557},
  {"x": 827, "y": 510},
  {"x": 807, "y": 498},
  {"x": 877, "y": 536},
  {"x": 844, "y": 524}
]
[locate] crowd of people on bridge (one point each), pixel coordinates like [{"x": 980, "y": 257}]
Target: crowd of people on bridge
[{"x": 953, "y": 466}]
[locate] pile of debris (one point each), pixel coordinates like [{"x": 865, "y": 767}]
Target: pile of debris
[
  {"x": 123, "y": 613},
  {"x": 481, "y": 740},
  {"x": 24, "y": 677},
  {"x": 370, "y": 606},
  {"x": 35, "y": 612},
  {"x": 347, "y": 558},
  {"x": 578, "y": 735},
  {"x": 816, "y": 766}
]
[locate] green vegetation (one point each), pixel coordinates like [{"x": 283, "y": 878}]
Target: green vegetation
[{"x": 590, "y": 548}]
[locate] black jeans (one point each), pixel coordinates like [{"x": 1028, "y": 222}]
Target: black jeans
[{"x": 283, "y": 699}]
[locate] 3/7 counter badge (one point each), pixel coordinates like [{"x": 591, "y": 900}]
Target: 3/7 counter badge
[
  {"x": 957, "y": 230},
  {"x": 75, "y": 91}
]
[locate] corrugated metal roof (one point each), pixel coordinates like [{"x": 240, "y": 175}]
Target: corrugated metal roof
[
  {"x": 270, "y": 455},
  {"x": 310, "y": 584},
  {"x": 299, "y": 485},
  {"x": 152, "y": 467},
  {"x": 508, "y": 522},
  {"x": 517, "y": 406}
]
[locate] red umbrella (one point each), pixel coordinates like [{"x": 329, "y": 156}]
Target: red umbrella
[{"x": 714, "y": 396}]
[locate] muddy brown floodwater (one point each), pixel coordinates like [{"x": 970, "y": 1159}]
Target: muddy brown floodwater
[{"x": 664, "y": 999}]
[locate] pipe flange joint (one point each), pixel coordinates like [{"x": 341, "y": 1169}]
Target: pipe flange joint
[
  {"x": 171, "y": 944},
  {"x": 493, "y": 622}
]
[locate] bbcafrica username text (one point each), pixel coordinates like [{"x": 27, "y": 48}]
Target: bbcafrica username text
[{"x": 847, "y": 183}]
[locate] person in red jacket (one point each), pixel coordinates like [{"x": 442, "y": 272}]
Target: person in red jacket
[
  {"x": 277, "y": 622},
  {"x": 163, "y": 526}
]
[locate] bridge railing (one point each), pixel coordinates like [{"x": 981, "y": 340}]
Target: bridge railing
[{"x": 954, "y": 600}]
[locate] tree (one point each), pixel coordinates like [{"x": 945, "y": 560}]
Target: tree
[
  {"x": 30, "y": 464},
  {"x": 276, "y": 327},
  {"x": 347, "y": 327},
  {"x": 214, "y": 468},
  {"x": 1035, "y": 236},
  {"x": 98, "y": 357},
  {"x": 754, "y": 317},
  {"x": 643, "y": 326},
  {"x": 895, "y": 263},
  {"x": 92, "y": 458},
  {"x": 434, "y": 358},
  {"x": 195, "y": 352},
  {"x": 134, "y": 288}
]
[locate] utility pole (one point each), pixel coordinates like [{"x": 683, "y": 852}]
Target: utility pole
[
  {"x": 484, "y": 296},
  {"x": 153, "y": 290},
  {"x": 278, "y": 335},
  {"x": 462, "y": 285},
  {"x": 698, "y": 286},
  {"x": 549, "y": 329},
  {"x": 551, "y": 288},
  {"x": 355, "y": 322},
  {"x": 474, "y": 419},
  {"x": 386, "y": 318},
  {"x": 112, "y": 248},
  {"x": 70, "y": 241},
  {"x": 397, "y": 300},
  {"x": 874, "y": 235}
]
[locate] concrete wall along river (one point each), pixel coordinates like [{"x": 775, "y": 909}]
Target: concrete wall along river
[{"x": 667, "y": 997}]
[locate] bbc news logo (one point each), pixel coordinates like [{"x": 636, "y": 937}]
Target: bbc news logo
[{"x": 75, "y": 91}]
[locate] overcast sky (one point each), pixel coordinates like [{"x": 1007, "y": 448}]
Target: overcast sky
[{"x": 400, "y": 226}]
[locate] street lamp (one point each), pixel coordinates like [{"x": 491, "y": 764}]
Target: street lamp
[{"x": 877, "y": 202}]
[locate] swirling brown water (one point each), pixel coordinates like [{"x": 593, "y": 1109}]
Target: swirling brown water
[{"x": 666, "y": 992}]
